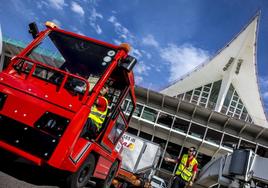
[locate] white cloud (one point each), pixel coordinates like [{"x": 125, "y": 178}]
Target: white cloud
[
  {"x": 75, "y": 7},
  {"x": 150, "y": 41},
  {"x": 264, "y": 81},
  {"x": 96, "y": 27},
  {"x": 27, "y": 13},
  {"x": 148, "y": 55},
  {"x": 265, "y": 95},
  {"x": 94, "y": 16},
  {"x": 138, "y": 79},
  {"x": 158, "y": 69},
  {"x": 57, "y": 22},
  {"x": 122, "y": 31},
  {"x": 264, "y": 86},
  {"x": 136, "y": 53},
  {"x": 57, "y": 4},
  {"x": 182, "y": 59},
  {"x": 117, "y": 42},
  {"x": 41, "y": 4},
  {"x": 78, "y": 31},
  {"x": 92, "y": 2},
  {"x": 141, "y": 68}
]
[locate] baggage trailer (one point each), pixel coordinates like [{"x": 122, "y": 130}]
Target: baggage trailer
[{"x": 139, "y": 160}]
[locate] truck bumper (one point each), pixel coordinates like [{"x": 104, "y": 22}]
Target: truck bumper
[{"x": 26, "y": 141}]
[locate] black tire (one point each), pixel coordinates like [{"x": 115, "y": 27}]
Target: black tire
[
  {"x": 109, "y": 179},
  {"x": 124, "y": 185},
  {"x": 80, "y": 178}
]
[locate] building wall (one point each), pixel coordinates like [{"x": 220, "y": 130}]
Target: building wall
[{"x": 176, "y": 127}]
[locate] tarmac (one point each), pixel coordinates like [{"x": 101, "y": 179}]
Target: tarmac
[
  {"x": 23, "y": 175},
  {"x": 7, "y": 181}
]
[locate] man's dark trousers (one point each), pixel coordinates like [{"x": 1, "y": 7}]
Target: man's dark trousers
[{"x": 178, "y": 182}]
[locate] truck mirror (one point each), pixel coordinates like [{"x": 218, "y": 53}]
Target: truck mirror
[
  {"x": 128, "y": 63},
  {"x": 33, "y": 29}
]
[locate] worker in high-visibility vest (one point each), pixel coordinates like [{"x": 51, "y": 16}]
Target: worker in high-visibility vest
[
  {"x": 186, "y": 169},
  {"x": 98, "y": 113}
]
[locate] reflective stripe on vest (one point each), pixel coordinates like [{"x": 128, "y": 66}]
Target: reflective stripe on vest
[
  {"x": 186, "y": 172},
  {"x": 97, "y": 116}
]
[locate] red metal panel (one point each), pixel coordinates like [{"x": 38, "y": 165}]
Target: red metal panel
[
  {"x": 43, "y": 91},
  {"x": 102, "y": 168}
]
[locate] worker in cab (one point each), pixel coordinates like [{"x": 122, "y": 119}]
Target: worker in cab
[
  {"x": 186, "y": 170},
  {"x": 98, "y": 114}
]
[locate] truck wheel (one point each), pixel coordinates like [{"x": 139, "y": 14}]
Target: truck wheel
[
  {"x": 108, "y": 181},
  {"x": 124, "y": 185},
  {"x": 80, "y": 178}
]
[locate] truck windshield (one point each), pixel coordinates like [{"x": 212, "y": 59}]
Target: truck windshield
[
  {"x": 73, "y": 54},
  {"x": 81, "y": 56}
]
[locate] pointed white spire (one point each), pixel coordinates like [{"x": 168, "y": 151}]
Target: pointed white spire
[{"x": 235, "y": 65}]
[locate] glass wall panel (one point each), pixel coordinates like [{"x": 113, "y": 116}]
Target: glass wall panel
[
  {"x": 202, "y": 160},
  {"x": 262, "y": 151},
  {"x": 214, "y": 94},
  {"x": 138, "y": 110},
  {"x": 162, "y": 144},
  {"x": 197, "y": 130},
  {"x": 229, "y": 141},
  {"x": 124, "y": 105},
  {"x": 149, "y": 114},
  {"x": 129, "y": 108},
  {"x": 145, "y": 135},
  {"x": 244, "y": 114},
  {"x": 213, "y": 136},
  {"x": 180, "y": 96},
  {"x": 247, "y": 145},
  {"x": 132, "y": 131},
  {"x": 172, "y": 151},
  {"x": 229, "y": 95},
  {"x": 160, "y": 141},
  {"x": 188, "y": 95},
  {"x": 181, "y": 125},
  {"x": 165, "y": 119},
  {"x": 206, "y": 88}
]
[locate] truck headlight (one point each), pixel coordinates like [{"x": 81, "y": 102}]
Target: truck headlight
[{"x": 52, "y": 124}]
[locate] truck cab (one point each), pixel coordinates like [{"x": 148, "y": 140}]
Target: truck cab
[{"x": 45, "y": 101}]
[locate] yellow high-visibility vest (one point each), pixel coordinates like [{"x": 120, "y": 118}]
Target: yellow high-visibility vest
[
  {"x": 186, "y": 172},
  {"x": 97, "y": 116}
]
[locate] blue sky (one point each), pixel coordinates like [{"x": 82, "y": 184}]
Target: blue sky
[{"x": 164, "y": 33}]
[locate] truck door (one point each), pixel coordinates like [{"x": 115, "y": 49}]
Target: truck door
[
  {"x": 114, "y": 134},
  {"x": 116, "y": 123}
]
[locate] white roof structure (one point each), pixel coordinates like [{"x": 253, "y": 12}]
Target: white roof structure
[{"x": 233, "y": 72}]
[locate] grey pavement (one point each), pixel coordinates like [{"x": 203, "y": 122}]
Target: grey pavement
[{"x": 7, "y": 181}]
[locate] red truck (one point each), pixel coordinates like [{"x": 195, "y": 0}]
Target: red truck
[{"x": 45, "y": 102}]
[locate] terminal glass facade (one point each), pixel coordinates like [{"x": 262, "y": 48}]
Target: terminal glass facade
[
  {"x": 178, "y": 132},
  {"x": 207, "y": 95}
]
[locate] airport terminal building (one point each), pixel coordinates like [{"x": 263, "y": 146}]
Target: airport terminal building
[{"x": 215, "y": 108}]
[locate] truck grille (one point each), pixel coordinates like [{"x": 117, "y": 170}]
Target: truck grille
[{"x": 27, "y": 138}]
